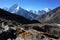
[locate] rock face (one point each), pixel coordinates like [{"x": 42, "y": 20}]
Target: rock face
[{"x": 50, "y": 17}]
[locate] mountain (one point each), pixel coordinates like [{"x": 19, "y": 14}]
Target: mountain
[
  {"x": 51, "y": 17},
  {"x": 47, "y": 9},
  {"x": 20, "y": 11},
  {"x": 31, "y": 14},
  {"x": 13, "y": 9},
  {"x": 18, "y": 18},
  {"x": 37, "y": 12}
]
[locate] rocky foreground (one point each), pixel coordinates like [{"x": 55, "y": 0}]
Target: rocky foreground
[{"x": 11, "y": 30}]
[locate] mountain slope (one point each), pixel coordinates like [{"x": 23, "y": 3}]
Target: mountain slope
[
  {"x": 20, "y": 11},
  {"x": 37, "y": 12},
  {"x": 18, "y": 18},
  {"x": 51, "y": 17}
]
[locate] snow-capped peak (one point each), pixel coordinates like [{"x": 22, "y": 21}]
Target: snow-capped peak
[
  {"x": 14, "y": 8},
  {"x": 27, "y": 9},
  {"x": 47, "y": 9},
  {"x": 17, "y": 8}
]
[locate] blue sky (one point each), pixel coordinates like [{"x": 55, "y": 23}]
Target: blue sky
[
  {"x": 31, "y": 4},
  {"x": 9, "y": 3}
]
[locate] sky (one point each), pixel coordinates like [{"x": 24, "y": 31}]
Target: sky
[
  {"x": 9, "y": 3},
  {"x": 31, "y": 4}
]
